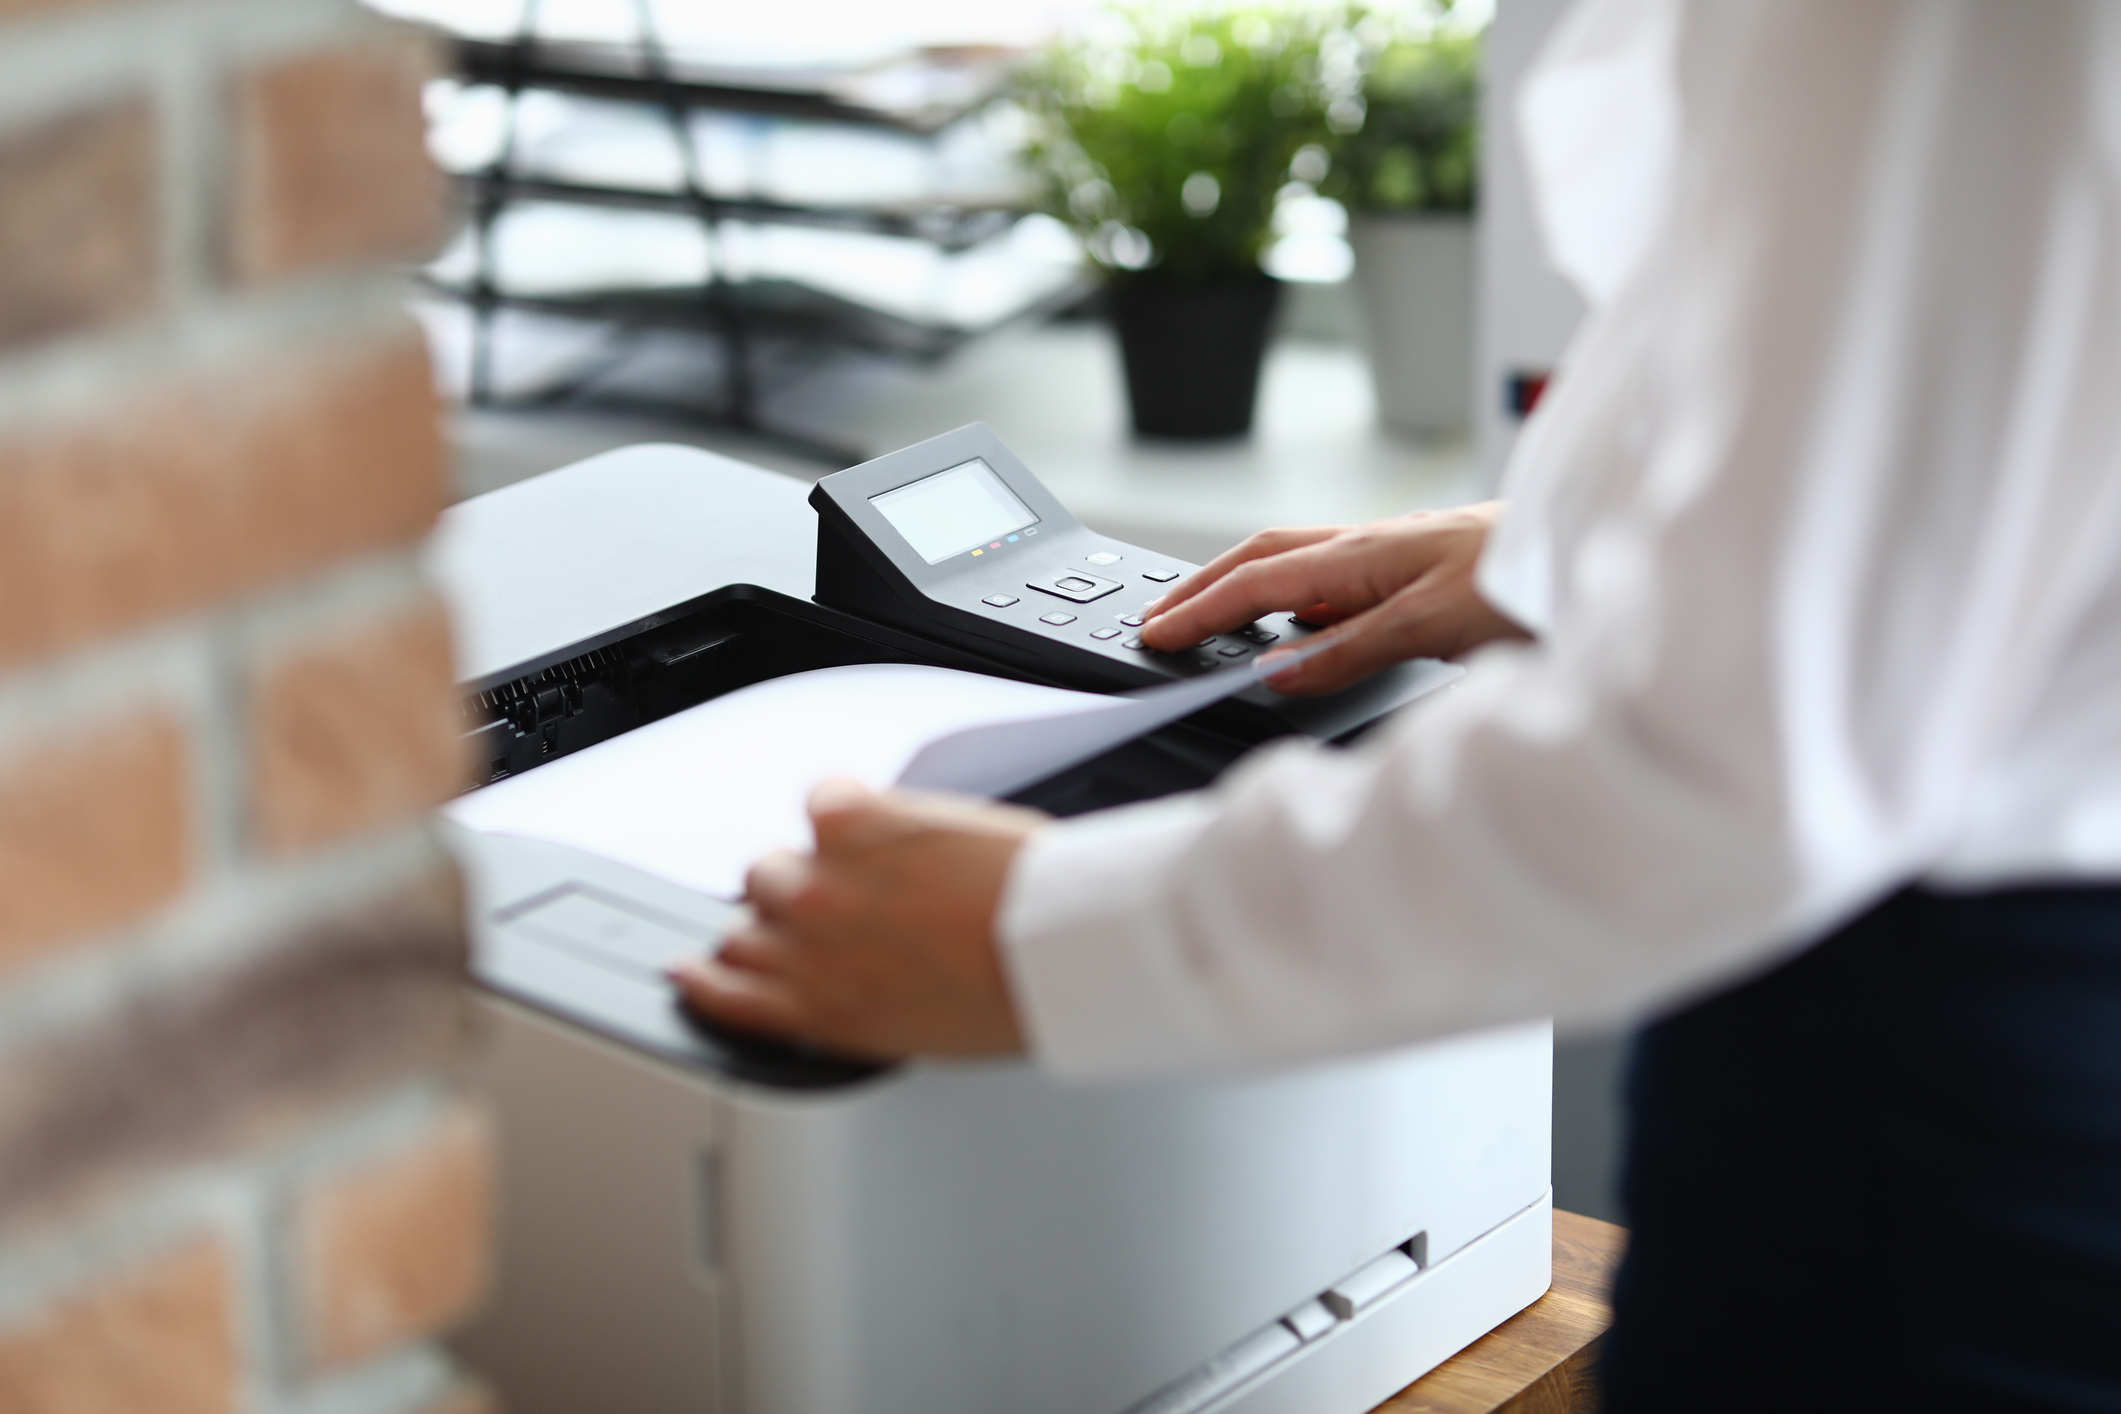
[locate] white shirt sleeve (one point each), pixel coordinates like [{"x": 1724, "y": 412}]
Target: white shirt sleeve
[{"x": 1819, "y": 509}]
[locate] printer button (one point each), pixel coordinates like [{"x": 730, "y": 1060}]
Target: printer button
[
  {"x": 1079, "y": 586},
  {"x": 1132, "y": 620},
  {"x": 1257, "y": 634},
  {"x": 1102, "y": 557},
  {"x": 1160, "y": 576},
  {"x": 999, "y": 601},
  {"x": 1104, "y": 633},
  {"x": 1132, "y": 643},
  {"x": 1056, "y": 619},
  {"x": 1233, "y": 650}
]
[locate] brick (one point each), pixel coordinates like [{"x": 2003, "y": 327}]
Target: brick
[
  {"x": 78, "y": 223},
  {"x": 191, "y": 490},
  {"x": 343, "y": 1004},
  {"x": 396, "y": 1249},
  {"x": 158, "y": 1336},
  {"x": 330, "y": 165},
  {"x": 94, "y": 830},
  {"x": 355, "y": 733}
]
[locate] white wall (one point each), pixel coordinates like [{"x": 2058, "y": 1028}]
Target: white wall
[{"x": 1527, "y": 311}]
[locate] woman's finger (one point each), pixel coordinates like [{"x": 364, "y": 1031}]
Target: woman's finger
[
  {"x": 774, "y": 880},
  {"x": 846, "y": 815},
  {"x": 754, "y": 949},
  {"x": 1257, "y": 547},
  {"x": 1402, "y": 627},
  {"x": 746, "y": 1001},
  {"x": 1296, "y": 580}
]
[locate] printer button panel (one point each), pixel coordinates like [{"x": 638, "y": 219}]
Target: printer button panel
[{"x": 1112, "y": 637}]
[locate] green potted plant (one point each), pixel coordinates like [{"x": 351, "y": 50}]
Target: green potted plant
[
  {"x": 1409, "y": 176},
  {"x": 1164, "y": 141}
]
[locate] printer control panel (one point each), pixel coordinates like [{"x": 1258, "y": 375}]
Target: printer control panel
[{"x": 956, "y": 538}]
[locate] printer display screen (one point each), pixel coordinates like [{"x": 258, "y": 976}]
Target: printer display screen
[{"x": 953, "y": 511}]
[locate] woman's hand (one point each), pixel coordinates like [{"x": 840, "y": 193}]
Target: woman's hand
[
  {"x": 880, "y": 942},
  {"x": 1393, "y": 590}
]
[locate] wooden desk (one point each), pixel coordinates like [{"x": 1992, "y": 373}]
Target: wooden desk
[{"x": 1539, "y": 1361}]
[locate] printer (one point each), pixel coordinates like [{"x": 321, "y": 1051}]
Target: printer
[{"x": 706, "y": 1223}]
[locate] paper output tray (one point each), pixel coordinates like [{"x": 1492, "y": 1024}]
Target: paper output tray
[{"x": 593, "y": 691}]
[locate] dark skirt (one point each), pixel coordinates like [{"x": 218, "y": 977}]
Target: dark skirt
[{"x": 1886, "y": 1175}]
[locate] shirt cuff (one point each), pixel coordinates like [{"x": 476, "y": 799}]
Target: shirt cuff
[{"x": 1099, "y": 977}]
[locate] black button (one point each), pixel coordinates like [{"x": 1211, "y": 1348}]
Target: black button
[
  {"x": 999, "y": 601},
  {"x": 1160, "y": 576},
  {"x": 1132, "y": 620},
  {"x": 1233, "y": 650},
  {"x": 1056, "y": 619},
  {"x": 1076, "y": 585},
  {"x": 1104, "y": 633},
  {"x": 1257, "y": 634}
]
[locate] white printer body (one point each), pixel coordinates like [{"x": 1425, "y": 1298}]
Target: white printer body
[{"x": 691, "y": 1224}]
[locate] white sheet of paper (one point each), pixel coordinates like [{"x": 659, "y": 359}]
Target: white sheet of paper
[
  {"x": 998, "y": 757},
  {"x": 696, "y": 797}
]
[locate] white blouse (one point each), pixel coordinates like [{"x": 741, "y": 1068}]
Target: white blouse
[{"x": 1821, "y": 530}]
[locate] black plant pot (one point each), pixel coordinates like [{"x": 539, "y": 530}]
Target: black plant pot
[{"x": 1192, "y": 352}]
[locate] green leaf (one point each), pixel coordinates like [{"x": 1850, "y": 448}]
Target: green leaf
[{"x": 1230, "y": 94}]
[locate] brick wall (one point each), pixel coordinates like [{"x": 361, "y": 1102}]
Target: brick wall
[{"x": 235, "y": 1174}]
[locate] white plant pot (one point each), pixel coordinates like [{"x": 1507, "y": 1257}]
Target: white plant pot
[{"x": 1414, "y": 282}]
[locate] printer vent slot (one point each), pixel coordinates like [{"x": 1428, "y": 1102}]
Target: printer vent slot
[
  {"x": 596, "y": 695},
  {"x": 1323, "y": 1315}
]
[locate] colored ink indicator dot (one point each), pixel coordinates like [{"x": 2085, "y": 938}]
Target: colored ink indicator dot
[
  {"x": 1012, "y": 540},
  {"x": 995, "y": 546},
  {"x": 979, "y": 552}
]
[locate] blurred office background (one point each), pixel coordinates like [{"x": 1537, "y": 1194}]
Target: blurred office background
[{"x": 853, "y": 174}]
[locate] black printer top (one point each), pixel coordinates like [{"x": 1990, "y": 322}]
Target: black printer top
[{"x": 591, "y": 553}]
